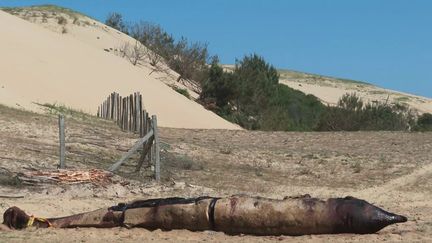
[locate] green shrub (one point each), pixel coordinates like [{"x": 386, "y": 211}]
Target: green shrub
[
  {"x": 182, "y": 91},
  {"x": 424, "y": 122},
  {"x": 189, "y": 59},
  {"x": 76, "y": 21},
  {"x": 382, "y": 116},
  {"x": 61, "y": 20},
  {"x": 252, "y": 97},
  {"x": 255, "y": 81},
  {"x": 352, "y": 114},
  {"x": 290, "y": 109},
  {"x": 350, "y": 102},
  {"x": 217, "y": 87},
  {"x": 115, "y": 20}
]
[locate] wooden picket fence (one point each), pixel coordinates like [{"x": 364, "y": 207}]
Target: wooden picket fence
[{"x": 129, "y": 113}]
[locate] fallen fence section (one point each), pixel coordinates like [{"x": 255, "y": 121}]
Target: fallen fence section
[
  {"x": 129, "y": 114},
  {"x": 137, "y": 145}
]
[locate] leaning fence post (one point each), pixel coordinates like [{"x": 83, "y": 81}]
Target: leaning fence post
[
  {"x": 157, "y": 150},
  {"x": 138, "y": 144},
  {"x": 62, "y": 141}
]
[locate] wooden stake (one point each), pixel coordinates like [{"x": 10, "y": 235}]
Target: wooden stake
[
  {"x": 146, "y": 149},
  {"x": 157, "y": 149},
  {"x": 62, "y": 141}
]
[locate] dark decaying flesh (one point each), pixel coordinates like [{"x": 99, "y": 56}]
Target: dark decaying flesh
[{"x": 232, "y": 215}]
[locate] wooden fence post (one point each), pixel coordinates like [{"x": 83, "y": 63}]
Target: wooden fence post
[
  {"x": 62, "y": 141},
  {"x": 157, "y": 149},
  {"x": 137, "y": 113},
  {"x": 148, "y": 128},
  {"x": 123, "y": 114},
  {"x": 141, "y": 122}
]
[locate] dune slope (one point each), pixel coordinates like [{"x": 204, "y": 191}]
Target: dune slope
[
  {"x": 38, "y": 65},
  {"x": 329, "y": 90}
]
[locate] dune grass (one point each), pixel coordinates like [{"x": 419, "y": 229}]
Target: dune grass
[
  {"x": 44, "y": 8},
  {"x": 297, "y": 75},
  {"x": 59, "y": 109},
  {"x": 285, "y": 73},
  {"x": 48, "y": 7},
  {"x": 182, "y": 91}
]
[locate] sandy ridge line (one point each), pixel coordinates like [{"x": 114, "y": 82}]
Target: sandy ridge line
[{"x": 396, "y": 183}]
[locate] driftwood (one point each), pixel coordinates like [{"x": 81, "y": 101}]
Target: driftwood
[
  {"x": 232, "y": 215},
  {"x": 11, "y": 196},
  {"x": 94, "y": 176}
]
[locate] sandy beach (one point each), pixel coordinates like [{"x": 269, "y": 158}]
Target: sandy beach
[{"x": 76, "y": 65}]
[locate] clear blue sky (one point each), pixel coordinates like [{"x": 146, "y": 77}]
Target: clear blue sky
[{"x": 385, "y": 42}]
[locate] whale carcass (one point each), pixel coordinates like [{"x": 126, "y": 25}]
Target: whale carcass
[{"x": 233, "y": 215}]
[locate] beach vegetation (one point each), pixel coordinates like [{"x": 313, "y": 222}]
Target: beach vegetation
[
  {"x": 424, "y": 122},
  {"x": 352, "y": 114},
  {"x": 115, "y": 20},
  {"x": 252, "y": 97},
  {"x": 182, "y": 91}
]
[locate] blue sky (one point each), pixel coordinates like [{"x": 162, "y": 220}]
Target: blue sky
[{"x": 385, "y": 42}]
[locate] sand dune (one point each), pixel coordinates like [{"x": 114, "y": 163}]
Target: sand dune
[
  {"x": 329, "y": 90},
  {"x": 39, "y": 65}
]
